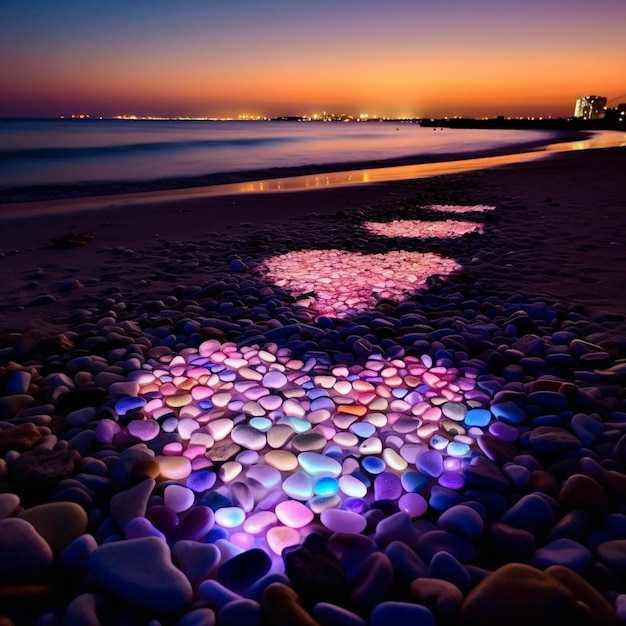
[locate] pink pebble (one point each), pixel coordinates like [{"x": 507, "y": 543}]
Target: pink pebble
[
  {"x": 339, "y": 521},
  {"x": 106, "y": 430},
  {"x": 281, "y": 537},
  {"x": 173, "y": 448},
  {"x": 293, "y": 514},
  {"x": 178, "y": 498},
  {"x": 200, "y": 392},
  {"x": 144, "y": 429},
  {"x": 413, "y": 503}
]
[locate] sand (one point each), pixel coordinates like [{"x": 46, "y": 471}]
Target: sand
[{"x": 557, "y": 232}]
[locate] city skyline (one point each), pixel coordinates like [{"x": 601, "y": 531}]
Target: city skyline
[{"x": 273, "y": 57}]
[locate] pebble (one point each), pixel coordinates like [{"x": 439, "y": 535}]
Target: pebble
[
  {"x": 140, "y": 572},
  {"x": 59, "y": 523},
  {"x": 527, "y": 595},
  {"x": 350, "y": 411},
  {"x": 401, "y": 613},
  {"x": 26, "y": 555}
]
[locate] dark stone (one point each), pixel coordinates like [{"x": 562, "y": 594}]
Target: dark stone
[
  {"x": 40, "y": 470},
  {"x": 244, "y": 570},
  {"x": 316, "y": 574}
]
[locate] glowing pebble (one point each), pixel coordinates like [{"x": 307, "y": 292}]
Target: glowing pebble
[
  {"x": 298, "y": 425},
  {"x": 325, "y": 486},
  {"x": 248, "y": 437},
  {"x": 174, "y": 467},
  {"x": 343, "y": 387},
  {"x": 230, "y": 470},
  {"x": 344, "y": 420},
  {"x": 478, "y": 417},
  {"x": 363, "y": 429},
  {"x": 308, "y": 441},
  {"x": 220, "y": 428},
  {"x": 221, "y": 399},
  {"x": 179, "y": 400},
  {"x": 346, "y": 440},
  {"x": 264, "y": 474},
  {"x": 261, "y": 423},
  {"x": 248, "y": 457},
  {"x": 293, "y": 408},
  {"x": 373, "y": 445},
  {"x": 352, "y": 409},
  {"x": 281, "y": 537},
  {"x": 298, "y": 486},
  {"x": 293, "y": 514},
  {"x": 339, "y": 521},
  {"x": 146, "y": 430},
  {"x": 377, "y": 419},
  {"x": 274, "y": 380},
  {"x": 319, "y": 416},
  {"x": 259, "y": 522},
  {"x": 278, "y": 435},
  {"x": 186, "y": 427},
  {"x": 352, "y": 486},
  {"x": 250, "y": 374},
  {"x": 373, "y": 464},
  {"x": 270, "y": 403},
  {"x": 178, "y": 498},
  {"x": 413, "y": 503},
  {"x": 198, "y": 438},
  {"x": 394, "y": 460},
  {"x": 320, "y": 503},
  {"x": 456, "y": 448},
  {"x": 282, "y": 460},
  {"x": 230, "y": 516},
  {"x": 316, "y": 464},
  {"x": 387, "y": 486},
  {"x": 124, "y": 405},
  {"x": 253, "y": 408}
]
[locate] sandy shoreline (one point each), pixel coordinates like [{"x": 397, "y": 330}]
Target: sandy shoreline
[{"x": 555, "y": 233}]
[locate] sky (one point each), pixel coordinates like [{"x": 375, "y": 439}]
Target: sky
[{"x": 225, "y": 58}]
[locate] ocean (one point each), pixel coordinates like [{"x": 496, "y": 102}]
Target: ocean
[{"x": 42, "y": 152}]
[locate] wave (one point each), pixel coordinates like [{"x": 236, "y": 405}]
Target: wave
[{"x": 55, "y": 153}]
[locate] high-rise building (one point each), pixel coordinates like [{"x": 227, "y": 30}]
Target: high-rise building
[{"x": 590, "y": 107}]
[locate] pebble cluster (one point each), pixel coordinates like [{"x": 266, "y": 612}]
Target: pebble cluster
[{"x": 236, "y": 453}]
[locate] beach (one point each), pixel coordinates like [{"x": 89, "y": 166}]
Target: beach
[{"x": 473, "y": 324}]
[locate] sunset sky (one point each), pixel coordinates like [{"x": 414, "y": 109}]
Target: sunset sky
[{"x": 223, "y": 58}]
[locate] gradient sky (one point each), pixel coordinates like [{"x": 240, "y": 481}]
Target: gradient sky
[{"x": 419, "y": 58}]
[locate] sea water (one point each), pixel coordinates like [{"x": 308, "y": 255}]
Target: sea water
[{"x": 68, "y": 151}]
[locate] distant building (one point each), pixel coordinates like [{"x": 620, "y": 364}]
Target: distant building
[{"x": 590, "y": 107}]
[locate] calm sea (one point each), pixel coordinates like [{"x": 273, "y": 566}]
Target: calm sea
[{"x": 54, "y": 151}]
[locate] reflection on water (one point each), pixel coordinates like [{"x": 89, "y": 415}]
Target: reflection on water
[{"x": 606, "y": 139}]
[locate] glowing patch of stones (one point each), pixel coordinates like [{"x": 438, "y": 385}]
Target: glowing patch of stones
[
  {"x": 452, "y": 208},
  {"x": 341, "y": 284},
  {"x": 423, "y": 229},
  {"x": 384, "y": 429}
]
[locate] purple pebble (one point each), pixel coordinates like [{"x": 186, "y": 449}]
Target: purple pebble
[
  {"x": 163, "y": 518},
  {"x": 141, "y": 527},
  {"x": 196, "y": 524},
  {"x": 430, "y": 463},
  {"x": 387, "y": 486}
]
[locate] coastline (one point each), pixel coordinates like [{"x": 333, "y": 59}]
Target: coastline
[{"x": 206, "y": 183}]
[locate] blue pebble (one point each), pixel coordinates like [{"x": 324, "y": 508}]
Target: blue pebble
[
  {"x": 201, "y": 480},
  {"x": 326, "y": 486},
  {"x": 243, "y": 570},
  {"x": 477, "y": 417},
  {"x": 509, "y": 413},
  {"x": 373, "y": 464},
  {"x": 205, "y": 404},
  {"x": 401, "y": 613},
  {"x": 430, "y": 463},
  {"x": 126, "y": 405},
  {"x": 331, "y": 614},
  {"x": 413, "y": 482},
  {"x": 446, "y": 567},
  {"x": 442, "y": 498}
]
